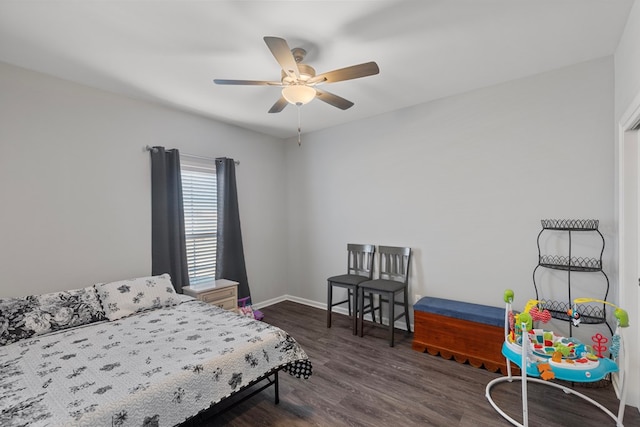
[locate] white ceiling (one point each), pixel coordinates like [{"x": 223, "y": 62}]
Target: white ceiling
[{"x": 170, "y": 51}]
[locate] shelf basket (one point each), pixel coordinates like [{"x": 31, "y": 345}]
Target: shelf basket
[
  {"x": 559, "y": 262},
  {"x": 570, "y": 224},
  {"x": 589, "y": 314}
]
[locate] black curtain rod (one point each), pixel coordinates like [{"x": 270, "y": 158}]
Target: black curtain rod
[{"x": 150, "y": 148}]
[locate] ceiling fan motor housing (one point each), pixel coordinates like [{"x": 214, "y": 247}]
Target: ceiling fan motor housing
[{"x": 306, "y": 72}]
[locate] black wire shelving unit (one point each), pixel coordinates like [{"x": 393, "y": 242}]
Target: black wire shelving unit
[{"x": 590, "y": 313}]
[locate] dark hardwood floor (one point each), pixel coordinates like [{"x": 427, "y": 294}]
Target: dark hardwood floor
[{"x": 364, "y": 382}]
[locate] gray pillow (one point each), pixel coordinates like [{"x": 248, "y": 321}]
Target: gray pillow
[{"x": 25, "y": 317}]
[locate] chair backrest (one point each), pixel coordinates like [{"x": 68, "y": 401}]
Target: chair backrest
[
  {"x": 394, "y": 263},
  {"x": 360, "y": 259}
]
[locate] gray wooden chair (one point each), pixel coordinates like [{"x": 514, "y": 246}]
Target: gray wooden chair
[
  {"x": 393, "y": 279},
  {"x": 359, "y": 269}
]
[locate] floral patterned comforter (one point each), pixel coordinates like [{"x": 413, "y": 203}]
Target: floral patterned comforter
[{"x": 156, "y": 368}]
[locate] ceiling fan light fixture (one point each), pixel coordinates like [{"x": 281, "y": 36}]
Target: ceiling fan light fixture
[{"x": 298, "y": 94}]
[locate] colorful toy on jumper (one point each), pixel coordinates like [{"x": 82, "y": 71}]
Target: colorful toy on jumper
[
  {"x": 622, "y": 320},
  {"x": 552, "y": 356},
  {"x": 530, "y": 314}
]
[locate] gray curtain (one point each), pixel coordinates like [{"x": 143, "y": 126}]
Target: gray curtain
[
  {"x": 230, "y": 254},
  {"x": 168, "y": 248}
]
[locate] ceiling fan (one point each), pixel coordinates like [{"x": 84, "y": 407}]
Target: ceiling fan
[{"x": 299, "y": 81}]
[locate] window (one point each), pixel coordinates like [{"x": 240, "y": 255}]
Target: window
[{"x": 199, "y": 198}]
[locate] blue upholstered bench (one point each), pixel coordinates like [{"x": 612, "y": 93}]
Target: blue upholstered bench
[{"x": 467, "y": 332}]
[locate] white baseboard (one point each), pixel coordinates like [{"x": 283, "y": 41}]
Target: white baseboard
[
  {"x": 321, "y": 305},
  {"x": 310, "y": 303},
  {"x": 269, "y": 302}
]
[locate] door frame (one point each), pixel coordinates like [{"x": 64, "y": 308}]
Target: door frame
[{"x": 629, "y": 251}]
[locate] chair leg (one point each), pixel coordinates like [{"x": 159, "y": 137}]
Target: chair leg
[
  {"x": 379, "y": 308},
  {"x": 372, "y": 299},
  {"x": 329, "y": 303},
  {"x": 392, "y": 316},
  {"x": 364, "y": 297},
  {"x": 360, "y": 312},
  {"x": 406, "y": 309},
  {"x": 355, "y": 310},
  {"x": 349, "y": 300}
]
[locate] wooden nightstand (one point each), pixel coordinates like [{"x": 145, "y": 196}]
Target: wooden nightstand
[{"x": 224, "y": 294}]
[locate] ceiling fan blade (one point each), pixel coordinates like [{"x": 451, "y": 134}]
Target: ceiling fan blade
[
  {"x": 281, "y": 51},
  {"x": 279, "y": 105},
  {"x": 348, "y": 73},
  {"x": 332, "y": 99},
  {"x": 246, "y": 82}
]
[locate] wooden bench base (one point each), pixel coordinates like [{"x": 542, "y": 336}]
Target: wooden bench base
[{"x": 463, "y": 340}]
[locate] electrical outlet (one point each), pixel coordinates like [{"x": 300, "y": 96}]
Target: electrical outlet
[{"x": 416, "y": 298}]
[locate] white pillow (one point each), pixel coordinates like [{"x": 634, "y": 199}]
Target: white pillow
[{"x": 126, "y": 297}]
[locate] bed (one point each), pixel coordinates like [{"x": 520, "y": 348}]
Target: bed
[{"x": 130, "y": 353}]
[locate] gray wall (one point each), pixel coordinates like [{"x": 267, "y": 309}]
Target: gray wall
[
  {"x": 627, "y": 62},
  {"x": 464, "y": 181},
  {"x": 75, "y": 185},
  {"x": 477, "y": 172}
]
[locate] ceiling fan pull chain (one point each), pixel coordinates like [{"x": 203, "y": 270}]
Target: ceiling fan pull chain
[{"x": 299, "y": 108}]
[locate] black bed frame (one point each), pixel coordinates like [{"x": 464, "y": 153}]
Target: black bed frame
[{"x": 270, "y": 379}]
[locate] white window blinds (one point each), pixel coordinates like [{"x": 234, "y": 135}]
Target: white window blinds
[{"x": 199, "y": 198}]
